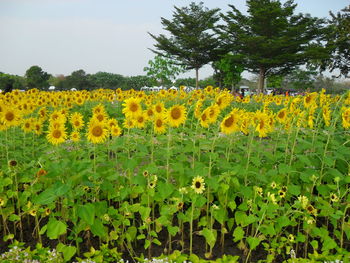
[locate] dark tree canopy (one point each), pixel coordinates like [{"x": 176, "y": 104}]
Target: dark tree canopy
[
  {"x": 192, "y": 41},
  {"x": 271, "y": 39},
  {"x": 338, "y": 42},
  {"x": 37, "y": 78}
]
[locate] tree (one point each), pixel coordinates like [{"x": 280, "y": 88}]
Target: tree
[
  {"x": 37, "y": 78},
  {"x": 228, "y": 70},
  {"x": 163, "y": 70},
  {"x": 106, "y": 80},
  {"x": 193, "y": 42},
  {"x": 271, "y": 38},
  {"x": 300, "y": 79},
  {"x": 78, "y": 80},
  {"x": 338, "y": 42}
]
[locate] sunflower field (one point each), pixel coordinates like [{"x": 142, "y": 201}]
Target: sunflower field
[{"x": 112, "y": 175}]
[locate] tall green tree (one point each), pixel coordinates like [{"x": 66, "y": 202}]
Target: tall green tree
[
  {"x": 106, "y": 80},
  {"x": 163, "y": 70},
  {"x": 228, "y": 70},
  {"x": 192, "y": 41},
  {"x": 338, "y": 42},
  {"x": 271, "y": 38},
  {"x": 37, "y": 78}
]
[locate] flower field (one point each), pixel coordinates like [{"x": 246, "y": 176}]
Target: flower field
[{"x": 106, "y": 175}]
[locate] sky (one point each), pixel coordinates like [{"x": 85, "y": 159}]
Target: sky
[{"x": 62, "y": 36}]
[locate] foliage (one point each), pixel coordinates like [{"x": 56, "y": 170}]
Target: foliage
[
  {"x": 105, "y": 80},
  {"x": 163, "y": 70},
  {"x": 338, "y": 42},
  {"x": 37, "y": 78},
  {"x": 228, "y": 70},
  {"x": 15, "y": 82},
  {"x": 78, "y": 80},
  {"x": 192, "y": 41},
  {"x": 268, "y": 39}
]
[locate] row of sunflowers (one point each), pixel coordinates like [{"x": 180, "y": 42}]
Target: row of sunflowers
[{"x": 261, "y": 178}]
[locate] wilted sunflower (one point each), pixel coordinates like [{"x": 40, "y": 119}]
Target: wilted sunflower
[
  {"x": 198, "y": 185},
  {"x": 311, "y": 210},
  {"x": 132, "y": 107},
  {"x": 97, "y": 132},
  {"x": 41, "y": 172},
  {"x": 176, "y": 115},
  {"x": 56, "y": 135},
  {"x": 334, "y": 198}
]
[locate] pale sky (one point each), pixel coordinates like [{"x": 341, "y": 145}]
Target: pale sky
[{"x": 62, "y": 36}]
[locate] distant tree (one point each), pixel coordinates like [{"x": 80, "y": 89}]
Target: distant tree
[
  {"x": 106, "y": 80},
  {"x": 58, "y": 81},
  {"x": 163, "y": 70},
  {"x": 78, "y": 80},
  {"x": 301, "y": 79},
  {"x": 271, "y": 38},
  {"x": 37, "y": 78},
  {"x": 10, "y": 82},
  {"x": 209, "y": 81},
  {"x": 192, "y": 41},
  {"x": 338, "y": 43},
  {"x": 228, "y": 70},
  {"x": 136, "y": 82},
  {"x": 188, "y": 82}
]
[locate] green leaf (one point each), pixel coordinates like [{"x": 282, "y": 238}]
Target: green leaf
[
  {"x": 173, "y": 230},
  {"x": 55, "y": 228},
  {"x": 238, "y": 234},
  {"x": 67, "y": 251},
  {"x": 86, "y": 213},
  {"x": 253, "y": 242},
  {"x": 98, "y": 228},
  {"x": 210, "y": 236},
  {"x": 219, "y": 214},
  {"x": 144, "y": 212}
]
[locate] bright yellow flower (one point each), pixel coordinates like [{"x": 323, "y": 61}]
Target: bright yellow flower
[
  {"x": 176, "y": 115},
  {"x": 97, "y": 132}
]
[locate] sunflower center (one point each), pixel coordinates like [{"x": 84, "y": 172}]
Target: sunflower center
[
  {"x": 140, "y": 119},
  {"x": 9, "y": 116},
  {"x": 57, "y": 134},
  {"x": 262, "y": 124},
  {"x": 197, "y": 185},
  {"x": 204, "y": 117},
  {"x": 134, "y": 107},
  {"x": 281, "y": 115},
  {"x": 159, "y": 109},
  {"x": 100, "y": 117},
  {"x": 159, "y": 123},
  {"x": 176, "y": 113},
  {"x": 229, "y": 121},
  {"x": 27, "y": 125},
  {"x": 97, "y": 131},
  {"x": 76, "y": 123}
]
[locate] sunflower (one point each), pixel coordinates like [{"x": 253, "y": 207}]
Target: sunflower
[
  {"x": 116, "y": 131},
  {"x": 198, "y": 109},
  {"x": 346, "y": 117},
  {"x": 176, "y": 115},
  {"x": 98, "y": 109},
  {"x": 198, "y": 185},
  {"x": 76, "y": 119},
  {"x": 57, "y": 116},
  {"x": 129, "y": 123},
  {"x": 229, "y": 124},
  {"x": 159, "y": 124},
  {"x": 140, "y": 120},
  {"x": 10, "y": 117},
  {"x": 97, "y": 132},
  {"x": 334, "y": 198},
  {"x": 132, "y": 107},
  {"x": 159, "y": 108},
  {"x": 204, "y": 118},
  {"x": 263, "y": 124},
  {"x": 150, "y": 112},
  {"x": 27, "y": 125},
  {"x": 311, "y": 210},
  {"x": 213, "y": 113},
  {"x": 56, "y": 135},
  {"x": 75, "y": 136},
  {"x": 38, "y": 126},
  {"x": 111, "y": 123},
  {"x": 282, "y": 115}
]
